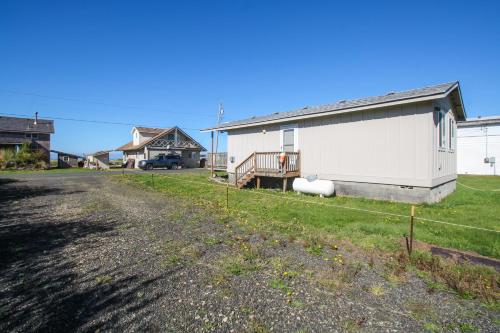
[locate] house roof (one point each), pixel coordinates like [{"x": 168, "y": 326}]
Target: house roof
[
  {"x": 391, "y": 98},
  {"x": 151, "y": 129},
  {"x": 479, "y": 121},
  {"x": 99, "y": 153},
  {"x": 26, "y": 125},
  {"x": 66, "y": 154},
  {"x": 130, "y": 145}
]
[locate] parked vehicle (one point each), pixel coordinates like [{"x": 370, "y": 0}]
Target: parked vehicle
[{"x": 161, "y": 161}]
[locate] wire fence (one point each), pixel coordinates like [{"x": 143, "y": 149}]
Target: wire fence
[{"x": 327, "y": 204}]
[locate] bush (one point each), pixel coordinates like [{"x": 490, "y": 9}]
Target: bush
[{"x": 23, "y": 158}]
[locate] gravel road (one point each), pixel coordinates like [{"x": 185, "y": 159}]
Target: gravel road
[{"x": 90, "y": 254}]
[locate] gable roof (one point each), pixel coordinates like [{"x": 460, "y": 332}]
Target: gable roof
[
  {"x": 99, "y": 153},
  {"x": 130, "y": 145},
  {"x": 391, "y": 98},
  {"x": 151, "y": 130},
  {"x": 26, "y": 125}
]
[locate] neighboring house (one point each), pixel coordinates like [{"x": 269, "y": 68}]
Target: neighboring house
[
  {"x": 478, "y": 146},
  {"x": 98, "y": 160},
  {"x": 149, "y": 142},
  {"x": 399, "y": 146},
  {"x": 66, "y": 160},
  {"x": 16, "y": 131}
]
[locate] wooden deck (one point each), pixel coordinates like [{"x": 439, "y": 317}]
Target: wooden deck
[{"x": 267, "y": 164}]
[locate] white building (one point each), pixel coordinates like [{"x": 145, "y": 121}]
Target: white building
[
  {"x": 478, "y": 146},
  {"x": 398, "y": 146}
]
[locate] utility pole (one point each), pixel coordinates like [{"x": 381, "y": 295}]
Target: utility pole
[{"x": 219, "y": 118}]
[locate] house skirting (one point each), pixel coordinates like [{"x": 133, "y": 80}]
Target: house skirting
[{"x": 411, "y": 194}]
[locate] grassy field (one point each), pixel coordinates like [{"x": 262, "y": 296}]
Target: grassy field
[
  {"x": 55, "y": 170},
  {"x": 303, "y": 215}
]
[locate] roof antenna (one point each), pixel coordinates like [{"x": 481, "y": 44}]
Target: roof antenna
[{"x": 36, "y": 118}]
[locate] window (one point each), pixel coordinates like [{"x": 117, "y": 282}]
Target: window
[
  {"x": 66, "y": 158},
  {"x": 32, "y": 136},
  {"x": 288, "y": 140},
  {"x": 442, "y": 128},
  {"x": 451, "y": 143}
]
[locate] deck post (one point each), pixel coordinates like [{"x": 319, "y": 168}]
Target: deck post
[
  {"x": 258, "y": 182},
  {"x": 284, "y": 184}
]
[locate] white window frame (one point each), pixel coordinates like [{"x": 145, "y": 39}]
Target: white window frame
[
  {"x": 295, "y": 128},
  {"x": 66, "y": 158},
  {"x": 442, "y": 133}
]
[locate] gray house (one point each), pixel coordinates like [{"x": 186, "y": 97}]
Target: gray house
[
  {"x": 15, "y": 131},
  {"x": 67, "y": 160},
  {"x": 399, "y": 146},
  {"x": 150, "y": 142}
]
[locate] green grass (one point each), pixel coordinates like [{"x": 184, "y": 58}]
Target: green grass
[
  {"x": 55, "y": 170},
  {"x": 301, "y": 215}
]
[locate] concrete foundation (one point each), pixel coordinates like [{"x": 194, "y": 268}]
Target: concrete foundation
[{"x": 410, "y": 194}]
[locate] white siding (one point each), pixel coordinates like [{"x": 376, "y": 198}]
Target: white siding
[
  {"x": 387, "y": 145},
  {"x": 444, "y": 166},
  {"x": 473, "y": 146}
]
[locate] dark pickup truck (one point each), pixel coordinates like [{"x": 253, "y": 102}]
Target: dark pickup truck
[{"x": 161, "y": 161}]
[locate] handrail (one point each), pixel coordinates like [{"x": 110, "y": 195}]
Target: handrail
[
  {"x": 269, "y": 163},
  {"x": 244, "y": 167}
]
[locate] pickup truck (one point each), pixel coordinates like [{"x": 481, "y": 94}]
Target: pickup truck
[{"x": 161, "y": 161}]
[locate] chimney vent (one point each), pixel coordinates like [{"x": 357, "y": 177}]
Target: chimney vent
[{"x": 36, "y": 117}]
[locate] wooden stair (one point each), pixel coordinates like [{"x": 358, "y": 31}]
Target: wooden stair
[{"x": 247, "y": 178}]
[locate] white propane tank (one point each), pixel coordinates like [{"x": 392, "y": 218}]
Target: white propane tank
[{"x": 314, "y": 186}]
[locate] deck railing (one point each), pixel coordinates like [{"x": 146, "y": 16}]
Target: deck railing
[
  {"x": 268, "y": 164},
  {"x": 220, "y": 160}
]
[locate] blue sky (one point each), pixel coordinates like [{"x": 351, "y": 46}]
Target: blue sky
[{"x": 164, "y": 63}]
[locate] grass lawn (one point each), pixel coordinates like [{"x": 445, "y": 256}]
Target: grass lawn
[
  {"x": 303, "y": 215},
  {"x": 55, "y": 170}
]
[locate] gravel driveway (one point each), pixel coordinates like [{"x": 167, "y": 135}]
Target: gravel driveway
[{"x": 89, "y": 254}]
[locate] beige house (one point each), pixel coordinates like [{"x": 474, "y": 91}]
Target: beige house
[
  {"x": 148, "y": 143},
  {"x": 399, "y": 146}
]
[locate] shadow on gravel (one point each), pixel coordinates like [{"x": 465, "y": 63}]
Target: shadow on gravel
[{"x": 40, "y": 287}]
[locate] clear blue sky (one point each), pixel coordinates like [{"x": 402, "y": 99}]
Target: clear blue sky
[{"x": 170, "y": 63}]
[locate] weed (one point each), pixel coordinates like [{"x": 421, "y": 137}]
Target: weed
[
  {"x": 104, "y": 279},
  {"x": 419, "y": 310},
  {"x": 212, "y": 241},
  {"x": 377, "y": 290},
  {"x": 431, "y": 327},
  {"x": 466, "y": 328},
  {"x": 238, "y": 265}
]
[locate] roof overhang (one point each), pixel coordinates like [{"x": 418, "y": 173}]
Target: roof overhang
[{"x": 454, "y": 91}]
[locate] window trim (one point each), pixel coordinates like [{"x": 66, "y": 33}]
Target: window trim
[{"x": 442, "y": 129}]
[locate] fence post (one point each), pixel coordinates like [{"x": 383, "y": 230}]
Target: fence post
[
  {"x": 412, "y": 215},
  {"x": 227, "y": 196},
  {"x": 152, "y": 180}
]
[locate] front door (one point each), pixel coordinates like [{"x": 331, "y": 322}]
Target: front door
[{"x": 289, "y": 138}]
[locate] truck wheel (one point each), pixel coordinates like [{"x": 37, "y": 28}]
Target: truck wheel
[
  {"x": 149, "y": 167},
  {"x": 174, "y": 166}
]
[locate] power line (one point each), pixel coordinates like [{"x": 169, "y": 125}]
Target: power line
[
  {"x": 91, "y": 121},
  {"x": 97, "y": 102}
]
